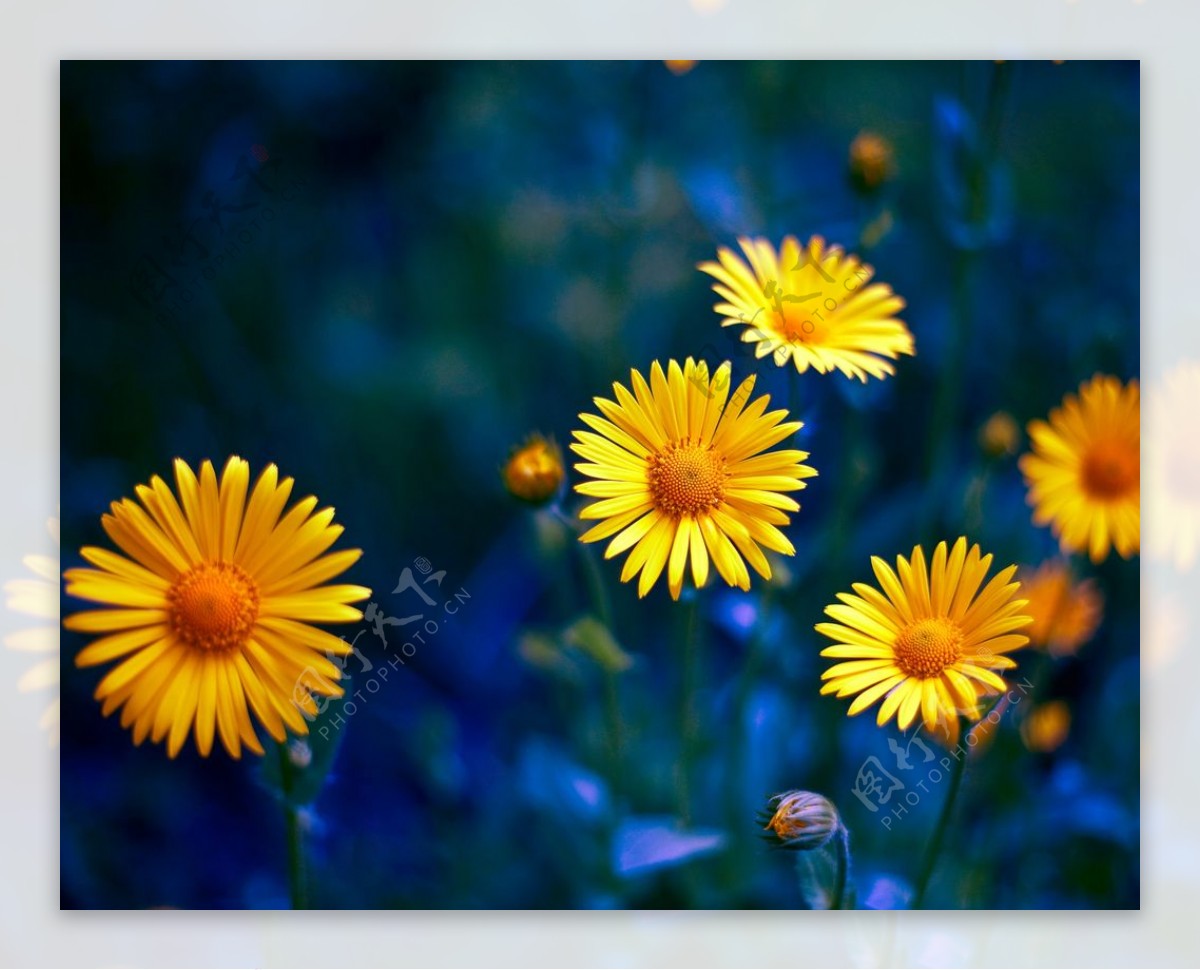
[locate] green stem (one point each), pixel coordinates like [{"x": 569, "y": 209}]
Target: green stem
[
  {"x": 933, "y": 850},
  {"x": 949, "y": 393},
  {"x": 843, "y": 867},
  {"x": 598, "y": 594},
  {"x": 688, "y": 719},
  {"x": 295, "y": 838}
]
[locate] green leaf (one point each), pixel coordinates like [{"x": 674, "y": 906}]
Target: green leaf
[
  {"x": 546, "y": 653},
  {"x": 594, "y": 639},
  {"x": 299, "y": 772}
]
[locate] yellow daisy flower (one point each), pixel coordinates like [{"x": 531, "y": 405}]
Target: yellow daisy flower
[
  {"x": 1065, "y": 613},
  {"x": 682, "y": 475},
  {"x": 930, "y": 642},
  {"x": 814, "y": 306},
  {"x": 212, "y": 603},
  {"x": 1084, "y": 473}
]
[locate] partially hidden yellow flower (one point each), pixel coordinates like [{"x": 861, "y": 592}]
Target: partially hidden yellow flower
[
  {"x": 211, "y": 608},
  {"x": 928, "y": 642},
  {"x": 1065, "y": 612},
  {"x": 683, "y": 474},
  {"x": 814, "y": 306},
  {"x": 1084, "y": 472},
  {"x": 534, "y": 471},
  {"x": 37, "y": 596},
  {"x": 1173, "y": 468}
]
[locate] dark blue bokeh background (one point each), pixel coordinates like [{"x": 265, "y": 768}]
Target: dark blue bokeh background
[{"x": 381, "y": 276}]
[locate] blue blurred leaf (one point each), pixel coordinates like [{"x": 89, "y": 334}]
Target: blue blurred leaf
[
  {"x": 643, "y": 844},
  {"x": 554, "y": 783}
]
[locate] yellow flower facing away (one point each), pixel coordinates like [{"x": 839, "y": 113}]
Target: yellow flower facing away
[
  {"x": 1046, "y": 727},
  {"x": 1066, "y": 613},
  {"x": 1173, "y": 468},
  {"x": 814, "y": 306},
  {"x": 37, "y": 596},
  {"x": 1084, "y": 472},
  {"x": 928, "y": 641},
  {"x": 210, "y": 609},
  {"x": 683, "y": 474},
  {"x": 872, "y": 160},
  {"x": 534, "y": 471}
]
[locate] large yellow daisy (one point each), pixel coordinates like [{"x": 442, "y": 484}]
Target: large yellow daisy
[
  {"x": 211, "y": 608},
  {"x": 1084, "y": 473},
  {"x": 930, "y": 642},
  {"x": 813, "y": 306},
  {"x": 683, "y": 474}
]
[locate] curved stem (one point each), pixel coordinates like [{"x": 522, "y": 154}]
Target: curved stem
[
  {"x": 295, "y": 838},
  {"x": 933, "y": 850},
  {"x": 843, "y": 868}
]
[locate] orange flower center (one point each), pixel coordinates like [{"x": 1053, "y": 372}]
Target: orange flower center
[
  {"x": 801, "y": 318},
  {"x": 1111, "y": 469},
  {"x": 686, "y": 479},
  {"x": 213, "y": 606},
  {"x": 927, "y": 647}
]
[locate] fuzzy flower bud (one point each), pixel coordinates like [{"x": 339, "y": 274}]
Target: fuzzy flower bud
[
  {"x": 802, "y": 820},
  {"x": 534, "y": 471},
  {"x": 1000, "y": 435},
  {"x": 872, "y": 161}
]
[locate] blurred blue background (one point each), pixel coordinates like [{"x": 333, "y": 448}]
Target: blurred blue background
[{"x": 381, "y": 276}]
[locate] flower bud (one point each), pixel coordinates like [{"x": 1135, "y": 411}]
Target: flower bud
[
  {"x": 872, "y": 161},
  {"x": 1046, "y": 727},
  {"x": 1000, "y": 435},
  {"x": 802, "y": 820},
  {"x": 534, "y": 471}
]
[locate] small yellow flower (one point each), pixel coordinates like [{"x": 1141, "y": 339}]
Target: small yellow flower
[
  {"x": 683, "y": 474},
  {"x": 930, "y": 642},
  {"x": 1084, "y": 473},
  {"x": 211, "y": 607},
  {"x": 534, "y": 471},
  {"x": 1046, "y": 727},
  {"x": 872, "y": 160},
  {"x": 680, "y": 67},
  {"x": 813, "y": 306},
  {"x": 803, "y": 820},
  {"x": 1065, "y": 613},
  {"x": 1000, "y": 435}
]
